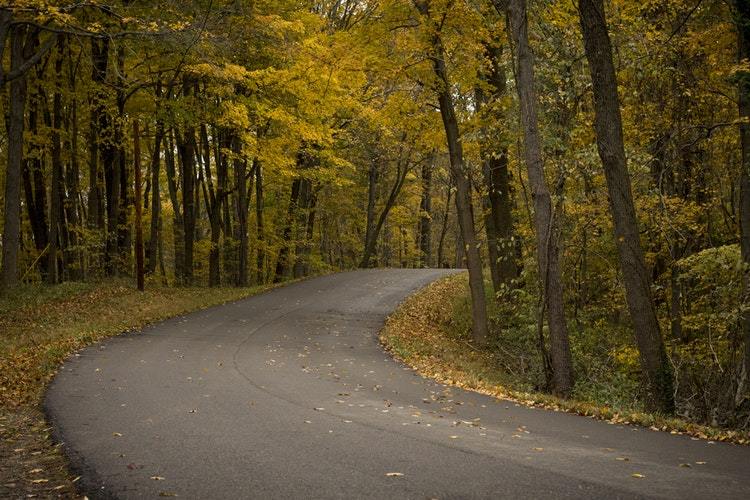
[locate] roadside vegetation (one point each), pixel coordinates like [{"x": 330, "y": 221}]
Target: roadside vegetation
[{"x": 430, "y": 331}]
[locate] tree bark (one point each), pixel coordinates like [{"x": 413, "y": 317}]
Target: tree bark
[
  {"x": 243, "y": 194},
  {"x": 610, "y": 143},
  {"x": 57, "y": 186},
  {"x": 12, "y": 202},
  {"x": 139, "y": 270},
  {"x": 550, "y": 278},
  {"x": 461, "y": 178},
  {"x": 425, "y": 217},
  {"x": 498, "y": 202},
  {"x": 153, "y": 242},
  {"x": 743, "y": 44},
  {"x": 371, "y": 241},
  {"x": 178, "y": 222},
  {"x": 260, "y": 232}
]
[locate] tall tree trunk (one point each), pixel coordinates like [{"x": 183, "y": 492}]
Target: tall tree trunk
[
  {"x": 186, "y": 153},
  {"x": 282, "y": 262},
  {"x": 441, "y": 262},
  {"x": 402, "y": 169},
  {"x": 35, "y": 188},
  {"x": 124, "y": 233},
  {"x": 743, "y": 43},
  {"x": 178, "y": 222},
  {"x": 57, "y": 187},
  {"x": 372, "y": 191},
  {"x": 306, "y": 224},
  {"x": 74, "y": 256},
  {"x": 425, "y": 217},
  {"x": 139, "y": 270},
  {"x": 243, "y": 195},
  {"x": 153, "y": 242},
  {"x": 260, "y": 232},
  {"x": 544, "y": 218},
  {"x": 610, "y": 143},
  {"x": 461, "y": 178},
  {"x": 498, "y": 202},
  {"x": 12, "y": 199},
  {"x": 97, "y": 125}
]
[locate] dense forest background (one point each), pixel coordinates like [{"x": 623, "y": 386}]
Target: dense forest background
[{"x": 589, "y": 158}]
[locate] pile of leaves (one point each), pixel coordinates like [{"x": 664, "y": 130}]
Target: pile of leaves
[{"x": 427, "y": 332}]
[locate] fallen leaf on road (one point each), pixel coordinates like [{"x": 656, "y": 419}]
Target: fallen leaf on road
[
  {"x": 157, "y": 478},
  {"x": 116, "y": 434},
  {"x": 40, "y": 481},
  {"x": 636, "y": 475},
  {"x": 685, "y": 465},
  {"x": 393, "y": 474},
  {"x": 623, "y": 459}
]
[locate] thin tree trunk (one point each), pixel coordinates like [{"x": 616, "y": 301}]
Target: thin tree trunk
[
  {"x": 461, "y": 178},
  {"x": 243, "y": 193},
  {"x": 57, "y": 187},
  {"x": 178, "y": 222},
  {"x": 372, "y": 185},
  {"x": 282, "y": 262},
  {"x": 544, "y": 218},
  {"x": 153, "y": 242},
  {"x": 425, "y": 217},
  {"x": 499, "y": 218},
  {"x": 186, "y": 151},
  {"x": 139, "y": 271},
  {"x": 371, "y": 244},
  {"x": 444, "y": 229},
  {"x": 260, "y": 244},
  {"x": 12, "y": 201},
  {"x": 743, "y": 44},
  {"x": 609, "y": 138}
]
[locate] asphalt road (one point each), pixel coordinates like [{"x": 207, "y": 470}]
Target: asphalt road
[{"x": 288, "y": 395}]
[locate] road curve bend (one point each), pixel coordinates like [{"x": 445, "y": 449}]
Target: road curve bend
[{"x": 288, "y": 395}]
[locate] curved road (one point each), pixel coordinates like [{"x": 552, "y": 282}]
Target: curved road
[{"x": 288, "y": 395}]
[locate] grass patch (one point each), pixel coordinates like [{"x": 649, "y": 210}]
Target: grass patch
[
  {"x": 40, "y": 326},
  {"x": 429, "y": 332}
]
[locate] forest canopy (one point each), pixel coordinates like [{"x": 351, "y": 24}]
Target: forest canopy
[{"x": 588, "y": 161}]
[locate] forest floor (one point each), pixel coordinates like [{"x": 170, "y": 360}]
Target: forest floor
[
  {"x": 40, "y": 326},
  {"x": 428, "y": 332}
]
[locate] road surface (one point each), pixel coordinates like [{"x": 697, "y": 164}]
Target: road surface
[{"x": 288, "y": 395}]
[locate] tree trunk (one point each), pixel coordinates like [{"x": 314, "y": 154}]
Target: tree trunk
[
  {"x": 139, "y": 271},
  {"x": 74, "y": 256},
  {"x": 461, "y": 178},
  {"x": 243, "y": 193},
  {"x": 425, "y": 217},
  {"x": 186, "y": 153},
  {"x": 441, "y": 262},
  {"x": 282, "y": 262},
  {"x": 99, "y": 63},
  {"x": 35, "y": 189},
  {"x": 153, "y": 242},
  {"x": 402, "y": 169},
  {"x": 372, "y": 190},
  {"x": 743, "y": 43},
  {"x": 610, "y": 143},
  {"x": 260, "y": 244},
  {"x": 57, "y": 187},
  {"x": 544, "y": 218},
  {"x": 12, "y": 202},
  {"x": 178, "y": 222}
]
